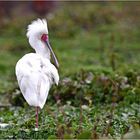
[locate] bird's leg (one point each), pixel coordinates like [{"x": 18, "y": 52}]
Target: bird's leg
[{"x": 37, "y": 108}]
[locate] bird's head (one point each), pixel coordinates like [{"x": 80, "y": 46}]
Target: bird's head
[{"x": 38, "y": 32}]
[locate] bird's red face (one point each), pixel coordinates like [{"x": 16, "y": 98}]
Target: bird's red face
[{"x": 45, "y": 39}]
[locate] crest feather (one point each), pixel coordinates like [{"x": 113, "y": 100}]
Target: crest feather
[{"x": 37, "y": 27}]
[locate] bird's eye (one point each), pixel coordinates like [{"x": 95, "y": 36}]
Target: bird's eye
[{"x": 44, "y": 37}]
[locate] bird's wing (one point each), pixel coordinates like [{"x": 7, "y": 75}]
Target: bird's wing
[
  {"x": 51, "y": 71},
  {"x": 35, "y": 79}
]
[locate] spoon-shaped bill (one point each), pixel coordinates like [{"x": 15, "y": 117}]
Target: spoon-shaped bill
[{"x": 53, "y": 55}]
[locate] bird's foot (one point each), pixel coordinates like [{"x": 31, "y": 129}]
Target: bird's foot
[{"x": 36, "y": 129}]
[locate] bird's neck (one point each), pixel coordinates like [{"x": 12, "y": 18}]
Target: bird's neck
[{"x": 40, "y": 48}]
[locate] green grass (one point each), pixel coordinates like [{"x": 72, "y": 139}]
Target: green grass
[
  {"x": 69, "y": 121},
  {"x": 84, "y": 51}
]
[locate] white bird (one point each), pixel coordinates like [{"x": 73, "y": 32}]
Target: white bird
[{"x": 35, "y": 73}]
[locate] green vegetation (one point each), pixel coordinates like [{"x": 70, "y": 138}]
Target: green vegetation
[{"x": 99, "y": 91}]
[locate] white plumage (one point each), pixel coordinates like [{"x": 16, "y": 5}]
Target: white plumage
[
  {"x": 35, "y": 76},
  {"x": 37, "y": 27},
  {"x": 34, "y": 71}
]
